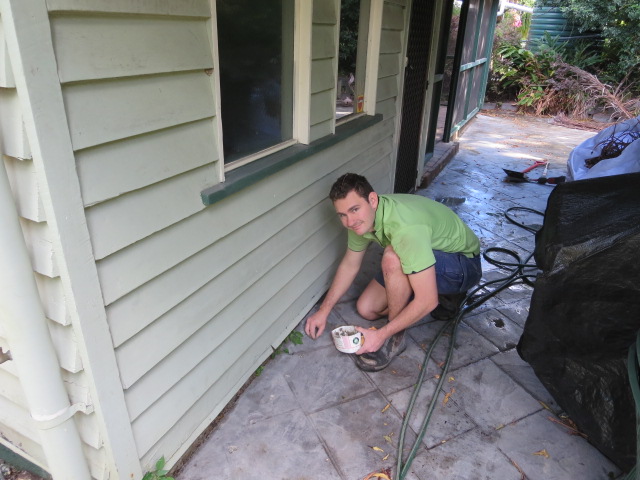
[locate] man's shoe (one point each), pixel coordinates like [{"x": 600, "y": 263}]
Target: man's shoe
[
  {"x": 448, "y": 306},
  {"x": 376, "y": 361}
]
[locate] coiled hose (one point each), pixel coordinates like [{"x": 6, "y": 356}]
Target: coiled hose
[{"x": 517, "y": 273}]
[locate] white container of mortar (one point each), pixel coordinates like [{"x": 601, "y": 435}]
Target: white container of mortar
[{"x": 347, "y": 339}]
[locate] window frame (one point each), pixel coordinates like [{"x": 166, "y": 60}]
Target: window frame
[
  {"x": 362, "y": 52},
  {"x": 301, "y": 108},
  {"x": 371, "y": 46}
]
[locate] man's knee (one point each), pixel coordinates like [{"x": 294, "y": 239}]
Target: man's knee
[
  {"x": 372, "y": 302},
  {"x": 366, "y": 311},
  {"x": 390, "y": 262}
]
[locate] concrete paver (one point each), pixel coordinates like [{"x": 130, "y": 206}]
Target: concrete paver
[
  {"x": 351, "y": 439},
  {"x": 448, "y": 420},
  {"x": 313, "y": 415},
  {"x": 481, "y": 460},
  {"x": 497, "y": 328},
  {"x": 520, "y": 371},
  {"x": 544, "y": 449}
]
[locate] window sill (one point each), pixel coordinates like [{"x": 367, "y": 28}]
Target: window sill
[{"x": 245, "y": 176}]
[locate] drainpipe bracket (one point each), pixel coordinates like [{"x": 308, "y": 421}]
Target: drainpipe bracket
[{"x": 46, "y": 422}]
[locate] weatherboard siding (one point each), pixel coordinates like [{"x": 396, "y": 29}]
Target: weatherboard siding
[
  {"x": 137, "y": 85},
  {"x": 12, "y": 133},
  {"x": 324, "y": 67},
  {"x": 194, "y": 297},
  {"x": 137, "y": 92},
  {"x": 110, "y": 46},
  {"x": 391, "y": 62},
  {"x": 17, "y": 428},
  {"x": 284, "y": 222}
]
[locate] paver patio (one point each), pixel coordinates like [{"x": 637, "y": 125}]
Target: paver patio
[{"x": 313, "y": 415}]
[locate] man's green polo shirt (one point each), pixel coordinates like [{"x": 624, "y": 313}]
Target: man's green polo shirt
[{"x": 415, "y": 226}]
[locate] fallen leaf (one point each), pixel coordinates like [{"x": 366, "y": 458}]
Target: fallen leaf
[
  {"x": 436, "y": 376},
  {"x": 451, "y": 379},
  {"x": 522, "y": 476},
  {"x": 542, "y": 453},
  {"x": 385, "y": 408},
  {"x": 544, "y": 405},
  {"x": 372, "y": 328},
  {"x": 569, "y": 425},
  {"x": 377, "y": 475},
  {"x": 378, "y": 449},
  {"x": 385, "y": 457},
  {"x": 388, "y": 439},
  {"x": 447, "y": 396},
  {"x": 499, "y": 427}
]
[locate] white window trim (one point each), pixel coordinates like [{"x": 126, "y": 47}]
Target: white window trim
[
  {"x": 302, "y": 71},
  {"x": 373, "y": 57},
  {"x": 302, "y": 17},
  {"x": 259, "y": 154},
  {"x": 372, "y": 60},
  {"x": 215, "y": 85},
  {"x": 303, "y": 23}
]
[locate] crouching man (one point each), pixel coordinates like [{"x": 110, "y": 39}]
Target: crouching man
[{"x": 431, "y": 258}]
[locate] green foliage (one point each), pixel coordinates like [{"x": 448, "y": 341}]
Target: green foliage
[
  {"x": 159, "y": 473},
  {"x": 349, "y": 22},
  {"x": 581, "y": 54},
  {"x": 619, "y": 22},
  {"x": 294, "y": 337},
  {"x": 519, "y": 70},
  {"x": 554, "y": 80}
]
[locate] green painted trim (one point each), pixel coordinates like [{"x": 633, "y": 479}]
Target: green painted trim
[
  {"x": 249, "y": 174},
  {"x": 476, "y": 41},
  {"x": 455, "y": 72},
  {"x": 489, "y": 49},
  {"x": 18, "y": 461},
  {"x": 463, "y": 122},
  {"x": 467, "y": 66}
]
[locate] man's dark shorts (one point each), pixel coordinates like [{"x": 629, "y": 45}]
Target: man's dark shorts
[{"x": 455, "y": 273}]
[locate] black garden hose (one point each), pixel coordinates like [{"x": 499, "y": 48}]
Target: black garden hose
[{"x": 517, "y": 273}]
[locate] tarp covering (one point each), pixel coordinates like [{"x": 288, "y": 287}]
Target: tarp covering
[
  {"x": 609, "y": 140},
  {"x": 585, "y": 308}
]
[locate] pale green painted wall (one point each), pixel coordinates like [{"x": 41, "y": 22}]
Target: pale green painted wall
[{"x": 195, "y": 297}]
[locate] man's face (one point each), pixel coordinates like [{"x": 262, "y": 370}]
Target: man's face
[{"x": 357, "y": 213}]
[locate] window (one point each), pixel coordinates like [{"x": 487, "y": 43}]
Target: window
[
  {"x": 255, "y": 51},
  {"x": 354, "y": 22}
]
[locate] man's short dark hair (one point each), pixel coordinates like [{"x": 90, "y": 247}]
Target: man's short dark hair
[{"x": 347, "y": 183}]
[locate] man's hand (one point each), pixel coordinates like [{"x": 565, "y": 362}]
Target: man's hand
[
  {"x": 373, "y": 340},
  {"x": 315, "y": 324}
]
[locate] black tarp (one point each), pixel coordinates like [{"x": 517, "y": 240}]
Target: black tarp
[{"x": 585, "y": 308}]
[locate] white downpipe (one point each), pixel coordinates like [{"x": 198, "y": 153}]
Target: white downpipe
[
  {"x": 32, "y": 351},
  {"x": 504, "y": 5}
]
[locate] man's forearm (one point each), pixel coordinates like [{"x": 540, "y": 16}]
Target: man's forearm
[
  {"x": 425, "y": 299},
  {"x": 409, "y": 315}
]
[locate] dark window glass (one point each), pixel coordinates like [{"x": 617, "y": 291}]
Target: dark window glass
[
  {"x": 349, "y": 65},
  {"x": 255, "y": 47}
]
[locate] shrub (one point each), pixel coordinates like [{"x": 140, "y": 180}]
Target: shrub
[{"x": 619, "y": 22}]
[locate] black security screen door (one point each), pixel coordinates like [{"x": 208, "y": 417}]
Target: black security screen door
[{"x": 415, "y": 85}]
